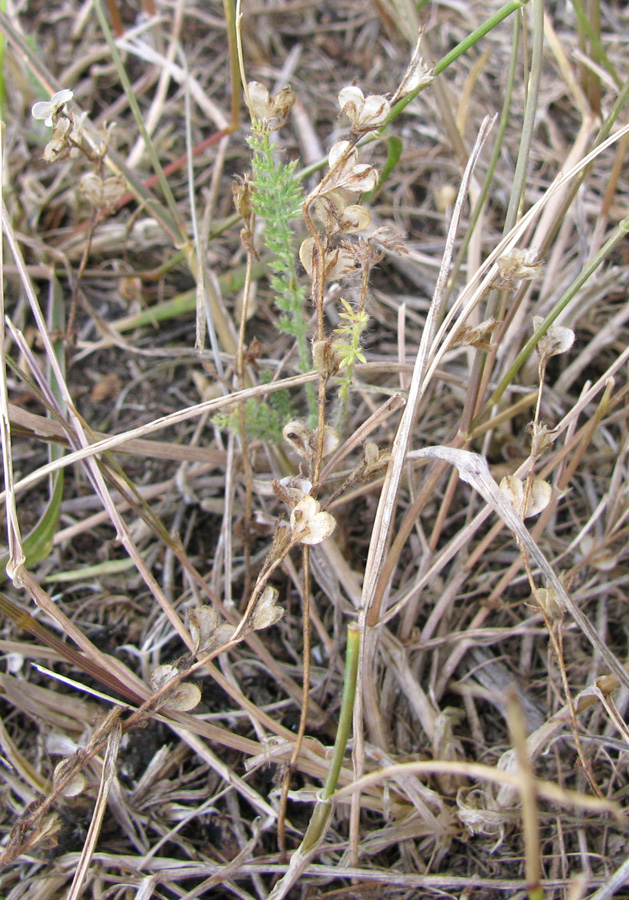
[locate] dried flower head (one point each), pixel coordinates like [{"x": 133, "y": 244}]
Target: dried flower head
[
  {"x": 102, "y": 193},
  {"x": 337, "y": 263},
  {"x": 305, "y": 442},
  {"x": 271, "y": 111},
  {"x": 297, "y": 435},
  {"x": 59, "y": 147},
  {"x": 207, "y": 629},
  {"x": 519, "y": 265},
  {"x": 538, "y": 499},
  {"x": 338, "y": 216},
  {"x": 326, "y": 358},
  {"x": 292, "y": 489},
  {"x": 556, "y": 341},
  {"x": 478, "y": 336},
  {"x": 309, "y": 524},
  {"x": 183, "y": 696},
  {"x": 417, "y": 75},
  {"x": 266, "y": 612},
  {"x": 375, "y": 458},
  {"x": 549, "y": 601},
  {"x": 364, "y": 113},
  {"x": 346, "y": 172}
]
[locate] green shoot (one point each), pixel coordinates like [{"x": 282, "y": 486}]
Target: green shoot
[{"x": 277, "y": 198}]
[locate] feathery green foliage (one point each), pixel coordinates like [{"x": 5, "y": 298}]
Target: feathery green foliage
[{"x": 277, "y": 198}]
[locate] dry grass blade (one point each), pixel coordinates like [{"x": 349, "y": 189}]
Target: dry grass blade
[{"x": 108, "y": 775}]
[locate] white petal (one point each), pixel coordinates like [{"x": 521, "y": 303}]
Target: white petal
[
  {"x": 539, "y": 498},
  {"x": 306, "y": 255},
  {"x": 57, "y": 100},
  {"x": 351, "y": 101},
  {"x": 41, "y": 109},
  {"x": 351, "y": 94},
  {"x": 267, "y": 612}
]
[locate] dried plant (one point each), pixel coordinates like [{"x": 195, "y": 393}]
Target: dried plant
[{"x": 356, "y": 617}]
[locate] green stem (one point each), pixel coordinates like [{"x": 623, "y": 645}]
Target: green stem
[
  {"x": 323, "y": 809},
  {"x": 460, "y": 50},
  {"x": 347, "y": 710},
  {"x": 594, "y": 38}
]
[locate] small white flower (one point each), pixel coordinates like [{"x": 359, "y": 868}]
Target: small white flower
[{"x": 48, "y": 109}]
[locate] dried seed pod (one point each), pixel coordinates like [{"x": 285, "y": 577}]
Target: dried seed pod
[
  {"x": 266, "y": 612},
  {"x": 539, "y": 496},
  {"x": 556, "y": 341},
  {"x": 309, "y": 524},
  {"x": 364, "y": 113}
]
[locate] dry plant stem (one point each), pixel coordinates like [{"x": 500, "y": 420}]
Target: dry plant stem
[
  {"x": 318, "y": 285},
  {"x": 107, "y": 777},
  {"x": 94, "y": 220},
  {"x": 122, "y": 74},
  {"x": 303, "y": 718},
  {"x": 358, "y": 437},
  {"x": 493, "y": 775},
  {"x": 453, "y": 547},
  {"x": 484, "y": 276},
  {"x": 190, "y": 412},
  {"x": 99, "y": 670},
  {"x": 234, "y": 67},
  {"x": 619, "y": 879},
  {"x": 257, "y": 646},
  {"x": 387, "y": 504},
  {"x": 621, "y": 232},
  {"x": 16, "y": 551},
  {"x": 82, "y": 756},
  {"x": 261, "y": 581},
  {"x": 342, "y": 414},
  {"x": 556, "y": 641},
  {"x": 528, "y": 794},
  {"x": 83, "y": 439},
  {"x": 474, "y": 470},
  {"x": 541, "y": 739},
  {"x": 20, "y": 838},
  {"x": 444, "y": 508},
  {"x": 246, "y": 465},
  {"x": 574, "y": 451},
  {"x": 406, "y": 526},
  {"x": 533, "y": 456},
  {"x": 366, "y": 700}
]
